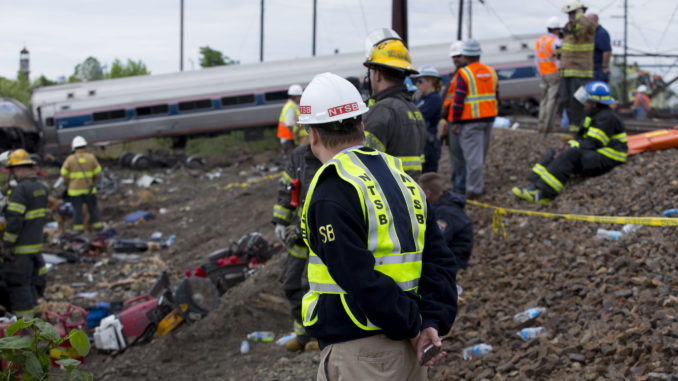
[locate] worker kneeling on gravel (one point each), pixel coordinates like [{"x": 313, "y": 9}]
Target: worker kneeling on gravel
[
  {"x": 600, "y": 145},
  {"x": 382, "y": 281}
]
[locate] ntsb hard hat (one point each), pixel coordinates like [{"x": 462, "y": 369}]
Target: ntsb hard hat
[
  {"x": 18, "y": 157},
  {"x": 553, "y": 23},
  {"x": 455, "y": 48},
  {"x": 595, "y": 91},
  {"x": 78, "y": 142},
  {"x": 330, "y": 98},
  {"x": 295, "y": 90}
]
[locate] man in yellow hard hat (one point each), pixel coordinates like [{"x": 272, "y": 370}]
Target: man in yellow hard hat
[
  {"x": 393, "y": 124},
  {"x": 23, "y": 269}
]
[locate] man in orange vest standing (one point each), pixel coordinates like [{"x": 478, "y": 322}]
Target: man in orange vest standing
[
  {"x": 642, "y": 103},
  {"x": 547, "y": 64},
  {"x": 287, "y": 122},
  {"x": 473, "y": 110}
]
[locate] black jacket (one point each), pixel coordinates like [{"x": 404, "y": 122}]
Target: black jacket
[
  {"x": 25, "y": 215},
  {"x": 455, "y": 225},
  {"x": 302, "y": 166}
]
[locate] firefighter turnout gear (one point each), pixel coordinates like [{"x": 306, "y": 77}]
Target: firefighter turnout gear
[
  {"x": 79, "y": 171},
  {"x": 366, "y": 250},
  {"x": 22, "y": 244},
  {"x": 577, "y": 50}
]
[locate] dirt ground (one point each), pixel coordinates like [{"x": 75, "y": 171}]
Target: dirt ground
[{"x": 612, "y": 306}]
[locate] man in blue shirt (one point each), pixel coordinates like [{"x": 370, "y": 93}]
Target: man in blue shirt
[{"x": 602, "y": 51}]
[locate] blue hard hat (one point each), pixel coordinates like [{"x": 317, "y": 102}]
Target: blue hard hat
[
  {"x": 595, "y": 91},
  {"x": 410, "y": 86},
  {"x": 471, "y": 48}
]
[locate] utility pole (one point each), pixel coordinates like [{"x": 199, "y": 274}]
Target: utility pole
[
  {"x": 399, "y": 18},
  {"x": 624, "y": 89},
  {"x": 181, "y": 36},
  {"x": 470, "y": 17},
  {"x": 315, "y": 16},
  {"x": 461, "y": 17},
  {"x": 261, "y": 34}
]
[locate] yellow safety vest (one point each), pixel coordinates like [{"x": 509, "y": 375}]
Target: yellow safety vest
[
  {"x": 383, "y": 240},
  {"x": 284, "y": 131}
]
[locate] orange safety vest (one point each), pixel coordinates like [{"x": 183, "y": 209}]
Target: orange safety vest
[
  {"x": 449, "y": 98},
  {"x": 545, "y": 58},
  {"x": 642, "y": 100},
  {"x": 481, "y": 98},
  {"x": 285, "y": 132}
]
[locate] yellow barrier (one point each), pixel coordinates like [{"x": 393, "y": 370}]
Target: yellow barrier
[
  {"x": 246, "y": 184},
  {"x": 498, "y": 224}
]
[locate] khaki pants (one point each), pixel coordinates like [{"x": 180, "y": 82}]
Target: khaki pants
[
  {"x": 550, "y": 83},
  {"x": 372, "y": 358}
]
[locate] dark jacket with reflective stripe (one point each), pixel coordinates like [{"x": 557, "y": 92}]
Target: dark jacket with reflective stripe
[
  {"x": 302, "y": 166},
  {"x": 25, "y": 215},
  {"x": 607, "y": 121},
  {"x": 399, "y": 314},
  {"x": 455, "y": 225},
  {"x": 394, "y": 125}
]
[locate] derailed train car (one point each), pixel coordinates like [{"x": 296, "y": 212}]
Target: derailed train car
[
  {"x": 17, "y": 127},
  {"x": 238, "y": 96}
]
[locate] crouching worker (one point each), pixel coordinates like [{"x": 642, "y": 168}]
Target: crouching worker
[
  {"x": 600, "y": 145},
  {"x": 455, "y": 225},
  {"x": 23, "y": 268},
  {"x": 382, "y": 281}
]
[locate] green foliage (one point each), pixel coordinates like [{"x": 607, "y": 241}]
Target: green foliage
[
  {"x": 27, "y": 356},
  {"x": 231, "y": 144},
  {"x": 210, "y": 57},
  {"x": 19, "y": 90},
  {"x": 132, "y": 68},
  {"x": 88, "y": 70},
  {"x": 42, "y": 81}
]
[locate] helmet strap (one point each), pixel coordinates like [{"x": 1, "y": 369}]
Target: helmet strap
[{"x": 367, "y": 83}]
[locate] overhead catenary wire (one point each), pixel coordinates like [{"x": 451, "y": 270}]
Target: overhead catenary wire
[
  {"x": 491, "y": 10},
  {"x": 667, "y": 26}
]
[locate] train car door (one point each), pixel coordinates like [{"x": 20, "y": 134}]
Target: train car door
[{"x": 47, "y": 126}]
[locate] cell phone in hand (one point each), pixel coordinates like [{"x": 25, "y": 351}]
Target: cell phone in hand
[{"x": 429, "y": 352}]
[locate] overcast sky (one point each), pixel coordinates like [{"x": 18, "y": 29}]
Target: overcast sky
[{"x": 62, "y": 33}]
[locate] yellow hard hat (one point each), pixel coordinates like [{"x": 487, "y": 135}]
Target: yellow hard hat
[
  {"x": 391, "y": 54},
  {"x": 18, "y": 158}
]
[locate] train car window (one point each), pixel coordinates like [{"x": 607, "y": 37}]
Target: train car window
[
  {"x": 237, "y": 100},
  {"x": 49, "y": 121},
  {"x": 70, "y": 95},
  {"x": 502, "y": 48},
  {"x": 108, "y": 115},
  {"x": 524, "y": 46},
  {"x": 276, "y": 96},
  {"x": 152, "y": 110},
  {"x": 92, "y": 93},
  {"x": 195, "y": 105}
]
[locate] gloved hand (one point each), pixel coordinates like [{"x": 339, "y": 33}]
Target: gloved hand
[
  {"x": 280, "y": 232},
  {"x": 6, "y": 254},
  {"x": 291, "y": 234},
  {"x": 442, "y": 129}
]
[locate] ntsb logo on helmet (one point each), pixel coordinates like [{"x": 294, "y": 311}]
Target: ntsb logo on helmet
[
  {"x": 343, "y": 109},
  {"x": 305, "y": 109}
]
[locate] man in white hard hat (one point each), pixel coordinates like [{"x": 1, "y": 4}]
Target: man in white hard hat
[
  {"x": 473, "y": 110},
  {"x": 382, "y": 281},
  {"x": 576, "y": 60},
  {"x": 642, "y": 102},
  {"x": 547, "y": 50},
  {"x": 456, "y": 155},
  {"x": 79, "y": 171},
  {"x": 288, "y": 131}
]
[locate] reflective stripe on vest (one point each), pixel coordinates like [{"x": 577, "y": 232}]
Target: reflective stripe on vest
[
  {"x": 35, "y": 213},
  {"x": 481, "y": 99},
  {"x": 545, "y": 57},
  {"x": 284, "y": 131},
  {"x": 548, "y": 178},
  {"x": 27, "y": 249},
  {"x": 282, "y": 213},
  {"x": 385, "y": 231}
]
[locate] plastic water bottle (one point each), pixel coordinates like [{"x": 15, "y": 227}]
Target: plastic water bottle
[
  {"x": 265, "y": 336},
  {"x": 670, "y": 213},
  {"x": 476, "y": 350},
  {"x": 609, "y": 235},
  {"x": 283, "y": 340},
  {"x": 630, "y": 228},
  {"x": 528, "y": 314},
  {"x": 531, "y": 333},
  {"x": 244, "y": 347}
]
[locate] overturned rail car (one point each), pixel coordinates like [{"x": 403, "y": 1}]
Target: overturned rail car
[
  {"x": 236, "y": 97},
  {"x": 17, "y": 127}
]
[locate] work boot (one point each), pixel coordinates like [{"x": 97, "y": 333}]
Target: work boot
[
  {"x": 297, "y": 343},
  {"x": 532, "y": 196},
  {"x": 312, "y": 346}
]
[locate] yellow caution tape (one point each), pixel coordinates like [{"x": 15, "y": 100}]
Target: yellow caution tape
[
  {"x": 254, "y": 181},
  {"x": 498, "y": 224}
]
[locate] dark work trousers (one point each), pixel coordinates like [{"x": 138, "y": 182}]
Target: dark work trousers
[
  {"x": 575, "y": 110},
  {"x": 458, "y": 163},
  {"x": 92, "y": 207},
  {"x": 39, "y": 274},
  {"x": 431, "y": 154},
  {"x": 571, "y": 161},
  {"x": 295, "y": 285},
  {"x": 18, "y": 276}
]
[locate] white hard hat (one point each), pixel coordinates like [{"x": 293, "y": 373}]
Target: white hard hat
[
  {"x": 428, "y": 71},
  {"x": 78, "y": 142},
  {"x": 553, "y": 23},
  {"x": 330, "y": 98},
  {"x": 572, "y": 5},
  {"x": 642, "y": 89},
  {"x": 455, "y": 48},
  {"x": 295, "y": 90}
]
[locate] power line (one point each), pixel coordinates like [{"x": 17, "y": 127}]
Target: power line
[
  {"x": 607, "y": 6},
  {"x": 667, "y": 26},
  {"x": 490, "y": 9}
]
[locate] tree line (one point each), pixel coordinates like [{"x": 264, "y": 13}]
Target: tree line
[{"x": 91, "y": 69}]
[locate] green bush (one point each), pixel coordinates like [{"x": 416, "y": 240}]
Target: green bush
[{"x": 27, "y": 356}]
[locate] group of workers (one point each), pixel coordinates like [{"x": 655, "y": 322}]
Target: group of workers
[
  {"x": 374, "y": 239},
  {"x": 23, "y": 272}
]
